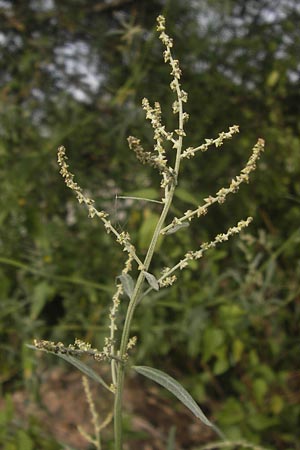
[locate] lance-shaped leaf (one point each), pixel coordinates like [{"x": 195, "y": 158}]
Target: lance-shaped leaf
[
  {"x": 177, "y": 227},
  {"x": 151, "y": 280},
  {"x": 127, "y": 283},
  {"x": 84, "y": 368},
  {"x": 175, "y": 388}
]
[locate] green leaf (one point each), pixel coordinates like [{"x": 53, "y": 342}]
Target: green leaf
[
  {"x": 42, "y": 292},
  {"x": 213, "y": 338},
  {"x": 177, "y": 227},
  {"x": 261, "y": 422},
  {"x": 222, "y": 362},
  {"x": 186, "y": 196},
  {"x": 175, "y": 388},
  {"x": 150, "y": 193},
  {"x": 232, "y": 412},
  {"x": 127, "y": 283},
  {"x": 147, "y": 229},
  {"x": 84, "y": 368},
  {"x": 24, "y": 440},
  {"x": 237, "y": 350},
  {"x": 276, "y": 404},
  {"x": 151, "y": 280},
  {"x": 260, "y": 388}
]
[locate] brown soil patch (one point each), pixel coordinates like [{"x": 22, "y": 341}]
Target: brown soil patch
[{"x": 62, "y": 406}]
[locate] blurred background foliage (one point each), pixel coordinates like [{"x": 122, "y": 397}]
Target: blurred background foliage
[{"x": 74, "y": 73}]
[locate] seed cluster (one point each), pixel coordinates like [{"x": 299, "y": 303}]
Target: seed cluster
[
  {"x": 79, "y": 348},
  {"x": 222, "y": 194},
  {"x": 169, "y": 171},
  {"x": 122, "y": 238}
]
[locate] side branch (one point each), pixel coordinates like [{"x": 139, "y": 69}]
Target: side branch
[
  {"x": 221, "y": 195},
  {"x": 218, "y": 142},
  {"x": 122, "y": 238},
  {"x": 167, "y": 278}
]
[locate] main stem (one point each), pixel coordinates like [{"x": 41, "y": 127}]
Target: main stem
[
  {"x": 129, "y": 315},
  {"x": 139, "y": 284}
]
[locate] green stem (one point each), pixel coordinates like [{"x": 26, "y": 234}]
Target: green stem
[
  {"x": 130, "y": 311},
  {"x": 139, "y": 284}
]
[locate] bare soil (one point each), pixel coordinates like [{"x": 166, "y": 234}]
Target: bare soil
[{"x": 61, "y": 406}]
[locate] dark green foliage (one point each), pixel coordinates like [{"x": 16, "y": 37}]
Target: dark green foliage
[{"x": 231, "y": 324}]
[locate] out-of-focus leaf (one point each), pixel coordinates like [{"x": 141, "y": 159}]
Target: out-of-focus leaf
[
  {"x": 277, "y": 404},
  {"x": 213, "y": 338},
  {"x": 147, "y": 229},
  {"x": 260, "y": 421},
  {"x": 237, "y": 350},
  {"x": 222, "y": 362},
  {"x": 231, "y": 412},
  {"x": 24, "y": 440},
  {"x": 260, "y": 388},
  {"x": 186, "y": 196},
  {"x": 171, "y": 439},
  {"x": 41, "y": 294}
]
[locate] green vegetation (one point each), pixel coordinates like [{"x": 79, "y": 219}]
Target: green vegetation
[{"x": 230, "y": 328}]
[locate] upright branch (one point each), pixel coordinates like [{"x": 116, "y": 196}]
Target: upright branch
[{"x": 158, "y": 158}]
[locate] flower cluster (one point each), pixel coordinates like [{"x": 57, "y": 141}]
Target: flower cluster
[
  {"x": 114, "y": 310},
  {"x": 218, "y": 142},
  {"x": 168, "y": 281},
  {"x": 221, "y": 195},
  {"x": 131, "y": 343},
  {"x": 79, "y": 348},
  {"x": 158, "y": 161},
  {"x": 69, "y": 180},
  {"x": 169, "y": 170},
  {"x": 176, "y": 73},
  {"x": 158, "y": 157},
  {"x": 121, "y": 238},
  {"x": 95, "y": 418},
  {"x": 192, "y": 255}
]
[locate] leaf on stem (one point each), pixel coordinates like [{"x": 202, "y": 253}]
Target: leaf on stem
[
  {"x": 151, "y": 280},
  {"x": 175, "y": 388},
  {"x": 84, "y": 368},
  {"x": 127, "y": 283},
  {"x": 177, "y": 227}
]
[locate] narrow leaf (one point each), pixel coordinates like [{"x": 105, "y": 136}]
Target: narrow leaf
[
  {"x": 147, "y": 192},
  {"x": 152, "y": 280},
  {"x": 186, "y": 196},
  {"x": 177, "y": 227},
  {"x": 87, "y": 370},
  {"x": 175, "y": 388},
  {"x": 127, "y": 283}
]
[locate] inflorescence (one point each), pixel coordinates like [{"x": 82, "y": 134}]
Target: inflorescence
[{"x": 158, "y": 159}]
